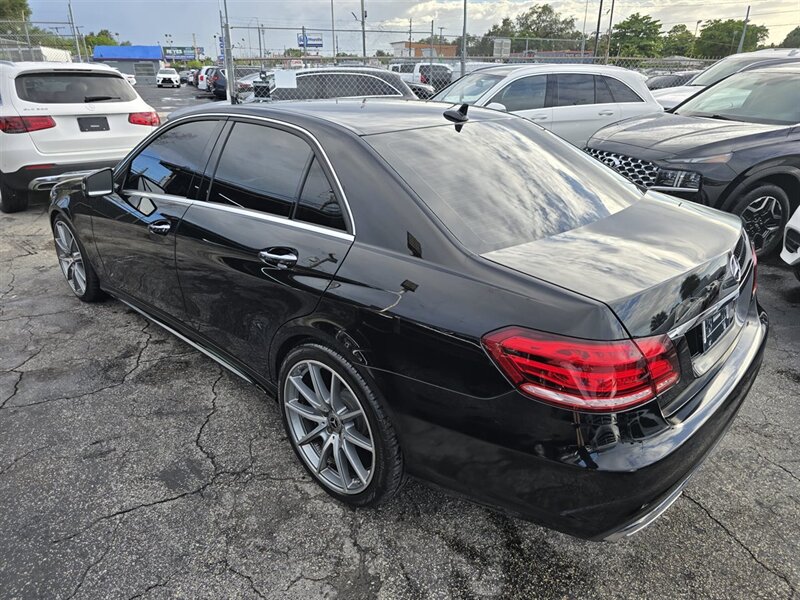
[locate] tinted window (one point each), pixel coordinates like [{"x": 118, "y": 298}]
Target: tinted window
[
  {"x": 407, "y": 68},
  {"x": 523, "y": 94},
  {"x": 621, "y": 92},
  {"x": 514, "y": 183},
  {"x": 260, "y": 168},
  {"x": 602, "y": 94},
  {"x": 574, "y": 89},
  {"x": 66, "y": 88},
  {"x": 317, "y": 202},
  {"x": 721, "y": 69},
  {"x": 309, "y": 87},
  {"x": 468, "y": 89},
  {"x": 343, "y": 85},
  {"x": 168, "y": 163}
]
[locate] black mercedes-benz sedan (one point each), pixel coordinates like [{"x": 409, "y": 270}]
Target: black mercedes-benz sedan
[
  {"x": 452, "y": 294},
  {"x": 735, "y": 146}
]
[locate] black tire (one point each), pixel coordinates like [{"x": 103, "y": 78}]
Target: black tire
[
  {"x": 388, "y": 474},
  {"x": 744, "y": 207},
  {"x": 158, "y": 84},
  {"x": 92, "y": 291},
  {"x": 12, "y": 200}
]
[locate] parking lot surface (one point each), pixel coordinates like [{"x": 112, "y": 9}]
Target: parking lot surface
[
  {"x": 132, "y": 466},
  {"x": 166, "y": 100}
]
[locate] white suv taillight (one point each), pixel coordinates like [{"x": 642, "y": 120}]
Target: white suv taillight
[
  {"x": 25, "y": 124},
  {"x": 144, "y": 118}
]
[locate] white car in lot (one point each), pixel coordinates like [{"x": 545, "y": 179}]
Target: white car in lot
[
  {"x": 572, "y": 101},
  {"x": 202, "y": 79},
  {"x": 62, "y": 120},
  {"x": 791, "y": 243},
  {"x": 168, "y": 77}
]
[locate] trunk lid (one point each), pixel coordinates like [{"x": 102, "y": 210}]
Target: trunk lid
[{"x": 657, "y": 264}]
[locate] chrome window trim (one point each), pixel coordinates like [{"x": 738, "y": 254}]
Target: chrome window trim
[{"x": 319, "y": 150}]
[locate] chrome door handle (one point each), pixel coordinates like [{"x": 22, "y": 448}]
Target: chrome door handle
[
  {"x": 541, "y": 118},
  {"x": 159, "y": 227},
  {"x": 282, "y": 260},
  {"x": 606, "y": 113}
]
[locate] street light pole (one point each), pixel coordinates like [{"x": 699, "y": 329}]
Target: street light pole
[
  {"x": 597, "y": 32},
  {"x": 744, "y": 31},
  {"x": 363, "y": 31}
]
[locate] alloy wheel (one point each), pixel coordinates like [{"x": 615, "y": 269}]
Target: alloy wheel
[
  {"x": 762, "y": 220},
  {"x": 69, "y": 258},
  {"x": 329, "y": 427}
]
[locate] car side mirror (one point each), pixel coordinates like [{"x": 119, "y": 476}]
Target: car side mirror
[
  {"x": 497, "y": 106},
  {"x": 98, "y": 183}
]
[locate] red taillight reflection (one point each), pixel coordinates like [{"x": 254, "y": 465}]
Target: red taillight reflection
[
  {"x": 25, "y": 124},
  {"x": 144, "y": 118},
  {"x": 584, "y": 374}
]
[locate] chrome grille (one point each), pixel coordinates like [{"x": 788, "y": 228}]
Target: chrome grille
[{"x": 641, "y": 172}]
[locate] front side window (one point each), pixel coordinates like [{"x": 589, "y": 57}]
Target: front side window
[
  {"x": 574, "y": 89},
  {"x": 65, "y": 87},
  {"x": 527, "y": 93},
  {"x": 168, "y": 164},
  {"x": 468, "y": 89},
  {"x": 260, "y": 168},
  {"x": 318, "y": 204}
]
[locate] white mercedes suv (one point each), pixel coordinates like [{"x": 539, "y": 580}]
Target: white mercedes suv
[{"x": 62, "y": 120}]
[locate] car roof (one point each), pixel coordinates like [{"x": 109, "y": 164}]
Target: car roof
[
  {"x": 522, "y": 68},
  {"x": 360, "y": 116},
  {"x": 787, "y": 67},
  {"x": 26, "y": 66}
]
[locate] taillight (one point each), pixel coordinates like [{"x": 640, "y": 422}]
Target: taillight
[
  {"x": 25, "y": 124},
  {"x": 422, "y": 78},
  {"x": 585, "y": 374},
  {"x": 144, "y": 118}
]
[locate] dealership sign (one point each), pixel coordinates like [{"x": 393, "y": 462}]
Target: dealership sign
[
  {"x": 309, "y": 40},
  {"x": 181, "y": 52}
]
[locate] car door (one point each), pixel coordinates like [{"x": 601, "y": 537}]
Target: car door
[
  {"x": 527, "y": 97},
  {"x": 629, "y": 102},
  {"x": 134, "y": 227},
  {"x": 577, "y": 114},
  {"x": 262, "y": 247}
]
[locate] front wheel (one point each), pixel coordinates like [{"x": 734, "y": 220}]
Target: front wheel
[
  {"x": 764, "y": 210},
  {"x": 338, "y": 427},
  {"x": 75, "y": 267}
]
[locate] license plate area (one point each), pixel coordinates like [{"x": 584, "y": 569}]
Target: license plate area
[
  {"x": 93, "y": 123},
  {"x": 705, "y": 335}
]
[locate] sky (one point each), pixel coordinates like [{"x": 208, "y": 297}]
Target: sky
[{"x": 172, "y": 22}]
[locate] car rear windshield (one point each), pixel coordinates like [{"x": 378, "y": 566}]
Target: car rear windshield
[
  {"x": 68, "y": 88},
  {"x": 497, "y": 184}
]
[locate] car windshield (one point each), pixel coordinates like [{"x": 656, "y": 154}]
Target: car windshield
[
  {"x": 468, "y": 89},
  {"x": 504, "y": 182},
  {"x": 167, "y": 72},
  {"x": 64, "y": 87},
  {"x": 721, "y": 69},
  {"x": 752, "y": 96}
]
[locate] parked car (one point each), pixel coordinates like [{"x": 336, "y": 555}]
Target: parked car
[
  {"x": 184, "y": 76},
  {"x": 734, "y": 146},
  {"x": 62, "y": 120},
  {"x": 128, "y": 77},
  {"x": 670, "y": 80},
  {"x": 436, "y": 74},
  {"x": 202, "y": 82},
  {"x": 244, "y": 84},
  {"x": 168, "y": 77},
  {"x": 572, "y": 101},
  {"x": 547, "y": 339},
  {"x": 791, "y": 244},
  {"x": 423, "y": 91},
  {"x": 217, "y": 83},
  {"x": 671, "y": 97}
]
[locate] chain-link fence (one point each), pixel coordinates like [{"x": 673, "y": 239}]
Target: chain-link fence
[{"x": 37, "y": 41}]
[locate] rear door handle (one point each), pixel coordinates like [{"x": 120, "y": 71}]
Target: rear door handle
[
  {"x": 539, "y": 118},
  {"x": 159, "y": 227},
  {"x": 283, "y": 258},
  {"x": 606, "y": 113}
]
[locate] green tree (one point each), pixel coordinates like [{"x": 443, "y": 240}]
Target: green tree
[
  {"x": 381, "y": 54},
  {"x": 678, "y": 41},
  {"x": 638, "y": 35},
  {"x": 720, "y": 38},
  {"x": 102, "y": 38},
  {"x": 14, "y": 10},
  {"x": 792, "y": 39},
  {"x": 294, "y": 52},
  {"x": 543, "y": 21}
]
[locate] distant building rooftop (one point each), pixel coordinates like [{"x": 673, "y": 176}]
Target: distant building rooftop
[{"x": 128, "y": 53}]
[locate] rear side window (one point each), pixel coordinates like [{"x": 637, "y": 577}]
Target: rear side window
[
  {"x": 620, "y": 91},
  {"x": 343, "y": 85},
  {"x": 317, "y": 202},
  {"x": 168, "y": 163},
  {"x": 574, "y": 89},
  {"x": 523, "y": 94},
  {"x": 309, "y": 87},
  {"x": 407, "y": 68},
  {"x": 73, "y": 88},
  {"x": 260, "y": 169}
]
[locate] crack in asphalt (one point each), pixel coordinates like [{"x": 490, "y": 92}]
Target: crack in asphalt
[
  {"x": 781, "y": 576},
  {"x": 10, "y": 465},
  {"x": 208, "y": 454},
  {"x": 161, "y": 583},
  {"x": 93, "y": 564},
  {"x": 780, "y": 466}
]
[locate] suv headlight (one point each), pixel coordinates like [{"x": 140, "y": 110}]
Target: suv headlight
[
  {"x": 716, "y": 159},
  {"x": 669, "y": 178}
]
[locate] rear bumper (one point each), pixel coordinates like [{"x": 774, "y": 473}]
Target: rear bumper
[
  {"x": 44, "y": 179},
  {"x": 600, "y": 477}
]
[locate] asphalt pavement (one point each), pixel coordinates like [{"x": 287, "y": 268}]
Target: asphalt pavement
[
  {"x": 132, "y": 466},
  {"x": 166, "y": 100}
]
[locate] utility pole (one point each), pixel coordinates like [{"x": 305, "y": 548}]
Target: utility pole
[
  {"x": 363, "y": 32},
  {"x": 441, "y": 37},
  {"x": 431, "y": 52},
  {"x": 194, "y": 46},
  {"x": 464, "y": 42},
  {"x": 610, "y": 25},
  {"x": 260, "y": 47},
  {"x": 409, "y": 38},
  {"x": 305, "y": 41},
  {"x": 597, "y": 32},
  {"x": 74, "y": 32},
  {"x": 333, "y": 34},
  {"x": 230, "y": 65},
  {"x": 583, "y": 31},
  {"x": 744, "y": 30}
]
